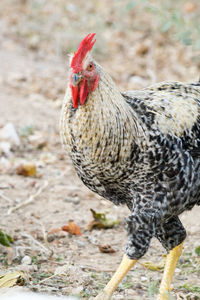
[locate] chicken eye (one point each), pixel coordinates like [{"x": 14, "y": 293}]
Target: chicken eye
[{"x": 90, "y": 67}]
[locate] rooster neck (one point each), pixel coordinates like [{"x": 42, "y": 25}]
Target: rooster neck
[{"x": 100, "y": 129}]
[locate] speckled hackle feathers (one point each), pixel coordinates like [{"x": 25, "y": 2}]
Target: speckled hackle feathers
[
  {"x": 84, "y": 47},
  {"x": 141, "y": 149}
]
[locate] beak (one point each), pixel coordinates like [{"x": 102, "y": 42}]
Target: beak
[{"x": 76, "y": 78}]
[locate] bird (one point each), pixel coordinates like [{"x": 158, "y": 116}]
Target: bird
[{"x": 138, "y": 148}]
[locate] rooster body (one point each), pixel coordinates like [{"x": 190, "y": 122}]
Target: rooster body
[{"x": 139, "y": 148}]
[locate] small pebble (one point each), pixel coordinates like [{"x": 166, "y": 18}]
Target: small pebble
[
  {"x": 177, "y": 270},
  {"x": 143, "y": 278},
  {"x": 27, "y": 268},
  {"x": 80, "y": 244},
  {"x": 26, "y": 260},
  {"x": 77, "y": 290}
]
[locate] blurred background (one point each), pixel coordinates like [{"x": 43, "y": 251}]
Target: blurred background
[{"x": 139, "y": 43}]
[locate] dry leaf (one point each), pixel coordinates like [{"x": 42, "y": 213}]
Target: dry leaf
[
  {"x": 106, "y": 249},
  {"x": 190, "y": 7},
  {"x": 154, "y": 267},
  {"x": 11, "y": 279},
  {"x": 94, "y": 224},
  {"x": 26, "y": 169},
  {"x": 72, "y": 228},
  {"x": 100, "y": 221}
]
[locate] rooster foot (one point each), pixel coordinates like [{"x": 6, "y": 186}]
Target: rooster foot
[
  {"x": 124, "y": 267},
  {"x": 170, "y": 266},
  {"x": 103, "y": 296}
]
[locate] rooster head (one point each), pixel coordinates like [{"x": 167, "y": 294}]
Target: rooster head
[{"x": 84, "y": 77}]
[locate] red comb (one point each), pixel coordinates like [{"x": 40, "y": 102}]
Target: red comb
[{"x": 84, "y": 47}]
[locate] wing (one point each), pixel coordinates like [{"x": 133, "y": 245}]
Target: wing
[{"x": 173, "y": 109}]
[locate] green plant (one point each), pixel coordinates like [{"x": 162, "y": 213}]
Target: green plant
[
  {"x": 197, "y": 250},
  {"x": 153, "y": 287},
  {"x": 5, "y": 239},
  {"x": 191, "y": 288},
  {"x": 180, "y": 19}
]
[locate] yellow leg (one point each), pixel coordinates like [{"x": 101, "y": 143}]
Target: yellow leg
[
  {"x": 170, "y": 265},
  {"x": 124, "y": 267}
]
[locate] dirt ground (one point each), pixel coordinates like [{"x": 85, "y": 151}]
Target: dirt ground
[{"x": 35, "y": 39}]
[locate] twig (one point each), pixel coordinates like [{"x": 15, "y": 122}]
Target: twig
[
  {"x": 47, "y": 278},
  {"x": 5, "y": 197},
  {"x": 30, "y": 199},
  {"x": 34, "y": 241},
  {"x": 4, "y": 187},
  {"x": 45, "y": 235},
  {"x": 96, "y": 269},
  {"x": 60, "y": 271}
]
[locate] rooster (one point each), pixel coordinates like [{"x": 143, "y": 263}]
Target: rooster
[{"x": 139, "y": 148}]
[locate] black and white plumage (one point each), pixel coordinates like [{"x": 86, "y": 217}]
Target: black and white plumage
[
  {"x": 142, "y": 149},
  {"x": 139, "y": 148}
]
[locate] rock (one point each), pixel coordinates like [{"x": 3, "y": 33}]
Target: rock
[
  {"x": 5, "y": 164},
  {"x": 33, "y": 42},
  {"x": 27, "y": 268},
  {"x": 26, "y": 260},
  {"x": 80, "y": 244},
  {"x": 77, "y": 290},
  {"x": 177, "y": 270},
  {"x": 75, "y": 200},
  {"x": 5, "y": 148},
  {"x": 143, "y": 278},
  {"x": 37, "y": 140},
  {"x": 9, "y": 133}
]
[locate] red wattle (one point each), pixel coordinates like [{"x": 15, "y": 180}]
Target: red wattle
[
  {"x": 74, "y": 90},
  {"x": 83, "y": 91},
  {"x": 95, "y": 83}
]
